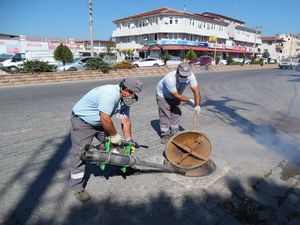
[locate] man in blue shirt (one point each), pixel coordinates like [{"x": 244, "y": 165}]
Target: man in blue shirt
[
  {"x": 92, "y": 117},
  {"x": 169, "y": 96}
]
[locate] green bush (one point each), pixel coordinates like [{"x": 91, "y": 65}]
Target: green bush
[
  {"x": 63, "y": 54},
  {"x": 123, "y": 65},
  {"x": 98, "y": 64},
  {"x": 236, "y": 63},
  {"x": 36, "y": 66},
  {"x": 255, "y": 62},
  {"x": 229, "y": 60},
  {"x": 191, "y": 55},
  {"x": 166, "y": 57}
]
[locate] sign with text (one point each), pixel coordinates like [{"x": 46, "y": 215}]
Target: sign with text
[{"x": 183, "y": 42}]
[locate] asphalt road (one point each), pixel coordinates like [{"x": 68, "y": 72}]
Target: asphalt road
[{"x": 251, "y": 117}]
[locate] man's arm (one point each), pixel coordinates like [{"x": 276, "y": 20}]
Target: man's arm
[
  {"x": 180, "y": 97},
  {"x": 107, "y": 124},
  {"x": 197, "y": 95},
  {"x": 126, "y": 127}
]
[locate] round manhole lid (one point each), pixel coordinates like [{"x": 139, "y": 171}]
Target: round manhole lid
[{"x": 188, "y": 150}]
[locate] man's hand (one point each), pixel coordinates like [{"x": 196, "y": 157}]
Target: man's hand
[
  {"x": 116, "y": 139},
  {"x": 197, "y": 110}
]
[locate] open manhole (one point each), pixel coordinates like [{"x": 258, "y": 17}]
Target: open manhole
[
  {"x": 204, "y": 170},
  {"x": 190, "y": 152}
]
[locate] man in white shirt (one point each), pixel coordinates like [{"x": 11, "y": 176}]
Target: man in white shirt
[{"x": 169, "y": 96}]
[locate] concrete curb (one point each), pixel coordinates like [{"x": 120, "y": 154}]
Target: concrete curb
[{"x": 52, "y": 77}]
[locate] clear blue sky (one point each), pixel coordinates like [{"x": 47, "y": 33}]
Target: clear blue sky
[{"x": 69, "y": 18}]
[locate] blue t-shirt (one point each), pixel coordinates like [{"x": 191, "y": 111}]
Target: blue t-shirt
[
  {"x": 170, "y": 84},
  {"x": 104, "y": 99}
]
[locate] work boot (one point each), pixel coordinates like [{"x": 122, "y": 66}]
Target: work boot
[
  {"x": 82, "y": 195},
  {"x": 165, "y": 139}
]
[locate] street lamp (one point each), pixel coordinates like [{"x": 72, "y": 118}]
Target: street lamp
[
  {"x": 90, "y": 4},
  {"x": 256, "y": 28}
]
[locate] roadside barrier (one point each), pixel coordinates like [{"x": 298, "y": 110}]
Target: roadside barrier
[{"x": 52, "y": 77}]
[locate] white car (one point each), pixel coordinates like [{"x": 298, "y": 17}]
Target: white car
[
  {"x": 242, "y": 60},
  {"x": 76, "y": 64},
  {"x": 174, "y": 61},
  {"x": 148, "y": 62},
  {"x": 223, "y": 62}
]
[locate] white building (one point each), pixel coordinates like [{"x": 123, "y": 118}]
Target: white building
[
  {"x": 291, "y": 46},
  {"x": 274, "y": 46},
  {"x": 178, "y": 31}
]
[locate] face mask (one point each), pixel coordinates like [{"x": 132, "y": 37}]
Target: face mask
[
  {"x": 129, "y": 100},
  {"x": 182, "y": 79}
]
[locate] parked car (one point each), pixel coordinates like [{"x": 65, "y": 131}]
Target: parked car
[
  {"x": 290, "y": 62},
  {"x": 131, "y": 58},
  {"x": 203, "y": 61},
  {"x": 148, "y": 62},
  {"x": 174, "y": 61},
  {"x": 76, "y": 64},
  {"x": 223, "y": 62},
  {"x": 242, "y": 60}
]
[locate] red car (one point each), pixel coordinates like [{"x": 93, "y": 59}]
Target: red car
[{"x": 203, "y": 60}]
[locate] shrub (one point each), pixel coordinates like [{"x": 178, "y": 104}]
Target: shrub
[
  {"x": 36, "y": 66},
  {"x": 166, "y": 57},
  {"x": 63, "y": 54},
  {"x": 191, "y": 55},
  {"x": 236, "y": 63},
  {"x": 98, "y": 64},
  {"x": 229, "y": 60},
  {"x": 123, "y": 65}
]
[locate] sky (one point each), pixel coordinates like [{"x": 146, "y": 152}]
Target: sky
[{"x": 70, "y": 18}]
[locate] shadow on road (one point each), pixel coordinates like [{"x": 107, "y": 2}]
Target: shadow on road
[
  {"x": 263, "y": 203},
  {"x": 36, "y": 189}
]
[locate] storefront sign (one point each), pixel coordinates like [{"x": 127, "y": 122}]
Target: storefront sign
[
  {"x": 149, "y": 43},
  {"x": 183, "y": 42},
  {"x": 213, "y": 39},
  {"x": 12, "y": 49}
]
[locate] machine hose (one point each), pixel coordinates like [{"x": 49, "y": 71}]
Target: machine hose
[{"x": 117, "y": 159}]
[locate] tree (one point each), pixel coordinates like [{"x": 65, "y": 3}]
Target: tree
[
  {"x": 63, "y": 54},
  {"x": 190, "y": 55},
  {"x": 266, "y": 54},
  {"x": 166, "y": 57},
  {"x": 109, "y": 47}
]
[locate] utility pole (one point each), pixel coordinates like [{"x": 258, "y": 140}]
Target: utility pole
[
  {"x": 90, "y": 4},
  {"x": 255, "y": 37}
]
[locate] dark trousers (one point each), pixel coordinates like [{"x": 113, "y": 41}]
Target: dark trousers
[
  {"x": 169, "y": 115},
  {"x": 82, "y": 134}
]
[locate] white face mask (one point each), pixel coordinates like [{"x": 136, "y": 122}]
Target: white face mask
[{"x": 129, "y": 100}]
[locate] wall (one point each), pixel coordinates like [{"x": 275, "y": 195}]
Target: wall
[{"x": 22, "y": 79}]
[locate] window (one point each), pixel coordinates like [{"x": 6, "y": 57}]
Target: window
[
  {"x": 192, "y": 22},
  {"x": 176, "y": 20},
  {"x": 171, "y": 20}
]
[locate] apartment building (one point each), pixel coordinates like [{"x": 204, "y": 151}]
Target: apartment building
[
  {"x": 178, "y": 31},
  {"x": 291, "y": 46},
  {"x": 274, "y": 45}
]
